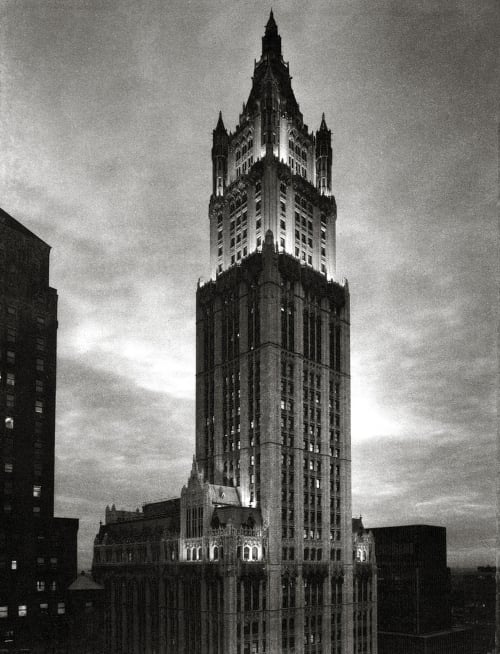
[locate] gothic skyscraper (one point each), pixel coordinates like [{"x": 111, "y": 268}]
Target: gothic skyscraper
[{"x": 258, "y": 555}]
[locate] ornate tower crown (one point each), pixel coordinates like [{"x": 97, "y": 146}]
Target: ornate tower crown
[{"x": 272, "y": 173}]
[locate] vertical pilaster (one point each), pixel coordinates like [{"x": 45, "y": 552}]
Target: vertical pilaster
[
  {"x": 147, "y": 616},
  {"x": 217, "y": 381},
  {"x": 243, "y": 399},
  {"x": 135, "y": 618},
  {"x": 230, "y": 612},
  {"x": 112, "y": 614}
]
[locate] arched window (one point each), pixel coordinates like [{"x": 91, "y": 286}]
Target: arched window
[
  {"x": 200, "y": 555},
  {"x": 188, "y": 554},
  {"x": 221, "y": 553},
  {"x": 246, "y": 553},
  {"x": 255, "y": 553},
  {"x": 216, "y": 553}
]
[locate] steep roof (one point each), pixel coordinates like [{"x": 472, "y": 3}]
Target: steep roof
[
  {"x": 271, "y": 64},
  {"x": 224, "y": 495},
  {"x": 85, "y": 582},
  {"x": 237, "y": 516},
  {"x": 12, "y": 223}
]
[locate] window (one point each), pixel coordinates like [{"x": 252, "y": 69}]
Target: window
[
  {"x": 53, "y": 585},
  {"x": 40, "y": 560},
  {"x": 9, "y": 422},
  {"x": 9, "y": 467},
  {"x": 13, "y": 564},
  {"x": 44, "y": 608},
  {"x": 37, "y": 491},
  {"x": 38, "y": 406},
  {"x": 40, "y": 586},
  {"x": 11, "y": 311},
  {"x": 36, "y": 510},
  {"x": 40, "y": 321},
  {"x": 39, "y": 365},
  {"x": 4, "y": 611},
  {"x": 9, "y": 401},
  {"x": 11, "y": 335},
  {"x": 11, "y": 357},
  {"x": 39, "y": 386},
  {"x": 53, "y": 562},
  {"x": 61, "y": 608},
  {"x": 22, "y": 610},
  {"x": 11, "y": 379}
]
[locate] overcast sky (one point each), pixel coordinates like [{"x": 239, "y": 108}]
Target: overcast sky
[{"x": 107, "y": 110}]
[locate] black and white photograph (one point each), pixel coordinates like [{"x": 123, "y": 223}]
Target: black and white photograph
[{"x": 249, "y": 283}]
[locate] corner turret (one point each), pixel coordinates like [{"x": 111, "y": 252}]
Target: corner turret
[
  {"x": 219, "y": 157},
  {"x": 324, "y": 158}
]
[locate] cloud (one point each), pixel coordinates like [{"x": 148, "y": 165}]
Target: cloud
[{"x": 117, "y": 442}]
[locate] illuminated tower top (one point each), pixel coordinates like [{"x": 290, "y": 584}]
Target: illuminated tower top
[{"x": 272, "y": 173}]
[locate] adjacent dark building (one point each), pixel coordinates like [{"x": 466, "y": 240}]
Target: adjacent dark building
[
  {"x": 473, "y": 603},
  {"x": 414, "y": 611},
  {"x": 85, "y": 617},
  {"x": 259, "y": 552},
  {"x": 37, "y": 550}
]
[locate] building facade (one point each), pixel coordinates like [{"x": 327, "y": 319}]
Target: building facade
[
  {"x": 259, "y": 553},
  {"x": 37, "y": 550}
]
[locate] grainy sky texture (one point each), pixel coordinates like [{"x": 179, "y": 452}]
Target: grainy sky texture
[{"x": 107, "y": 110}]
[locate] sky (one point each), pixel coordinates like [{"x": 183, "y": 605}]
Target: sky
[{"x": 107, "y": 111}]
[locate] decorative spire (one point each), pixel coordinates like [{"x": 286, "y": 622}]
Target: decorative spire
[
  {"x": 271, "y": 41},
  {"x": 220, "y": 124},
  {"x": 323, "y": 126},
  {"x": 271, "y": 27}
]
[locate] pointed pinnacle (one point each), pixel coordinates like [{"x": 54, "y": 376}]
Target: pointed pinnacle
[
  {"x": 220, "y": 123},
  {"x": 271, "y": 27}
]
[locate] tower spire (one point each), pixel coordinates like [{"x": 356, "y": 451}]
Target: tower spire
[
  {"x": 271, "y": 27},
  {"x": 271, "y": 41}
]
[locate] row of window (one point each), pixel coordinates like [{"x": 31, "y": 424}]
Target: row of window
[
  {"x": 10, "y": 402},
  {"x": 10, "y": 380},
  {"x": 22, "y": 609},
  {"x": 10, "y": 358}
]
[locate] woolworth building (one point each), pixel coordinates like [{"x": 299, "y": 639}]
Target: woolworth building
[{"x": 260, "y": 553}]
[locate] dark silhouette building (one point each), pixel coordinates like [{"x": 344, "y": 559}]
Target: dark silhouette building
[
  {"x": 473, "y": 603},
  {"x": 259, "y": 553},
  {"x": 85, "y": 616},
  {"x": 414, "y": 611},
  {"x": 37, "y": 550}
]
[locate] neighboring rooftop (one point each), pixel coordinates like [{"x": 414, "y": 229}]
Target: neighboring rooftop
[{"x": 6, "y": 219}]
